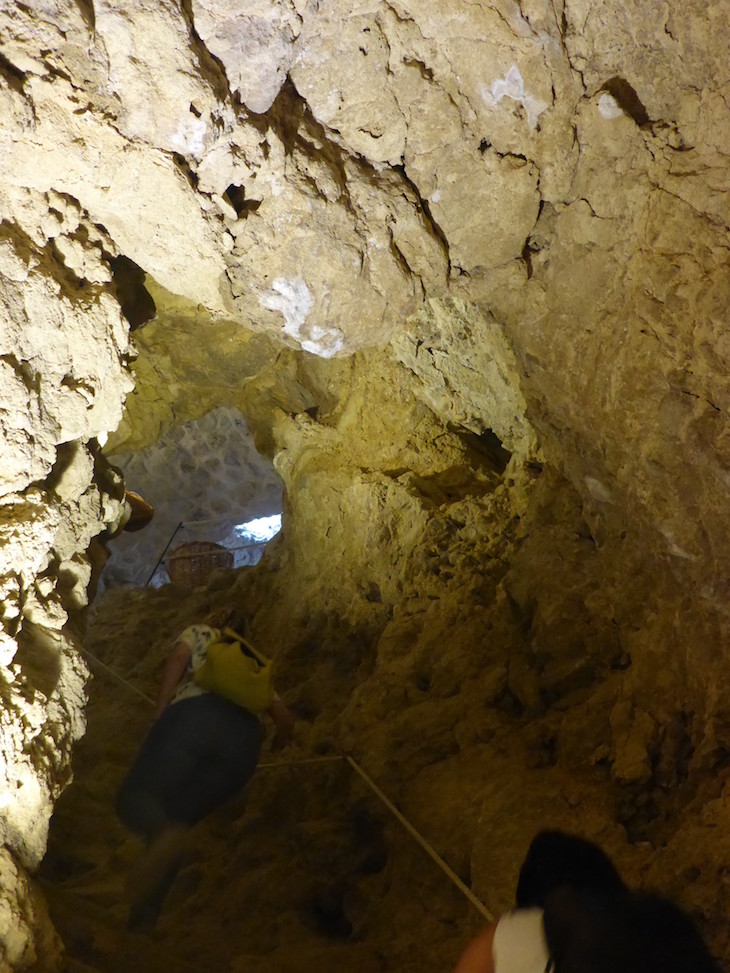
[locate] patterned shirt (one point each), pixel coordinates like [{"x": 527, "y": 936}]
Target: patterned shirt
[{"x": 197, "y": 638}]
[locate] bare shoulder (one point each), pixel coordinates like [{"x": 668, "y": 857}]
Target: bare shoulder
[{"x": 478, "y": 957}]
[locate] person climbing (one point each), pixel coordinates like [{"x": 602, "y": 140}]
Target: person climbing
[
  {"x": 574, "y": 914},
  {"x": 201, "y": 750}
]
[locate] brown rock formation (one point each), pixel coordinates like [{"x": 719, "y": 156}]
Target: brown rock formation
[{"x": 463, "y": 267}]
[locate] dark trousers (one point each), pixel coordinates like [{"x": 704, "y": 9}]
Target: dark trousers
[{"x": 199, "y": 753}]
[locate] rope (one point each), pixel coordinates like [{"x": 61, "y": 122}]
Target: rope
[
  {"x": 430, "y": 851},
  {"x": 304, "y": 760},
  {"x": 117, "y": 676}
]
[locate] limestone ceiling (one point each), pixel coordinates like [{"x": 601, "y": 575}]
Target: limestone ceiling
[
  {"x": 312, "y": 168},
  {"x": 333, "y": 176}
]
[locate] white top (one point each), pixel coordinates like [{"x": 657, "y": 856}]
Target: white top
[
  {"x": 519, "y": 944},
  {"x": 197, "y": 638}
]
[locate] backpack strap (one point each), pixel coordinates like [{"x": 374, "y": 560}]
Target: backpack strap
[{"x": 261, "y": 659}]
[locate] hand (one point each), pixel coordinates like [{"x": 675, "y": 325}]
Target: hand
[
  {"x": 284, "y": 721},
  {"x": 281, "y": 740}
]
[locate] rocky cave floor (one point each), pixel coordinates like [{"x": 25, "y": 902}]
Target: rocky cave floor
[{"x": 305, "y": 871}]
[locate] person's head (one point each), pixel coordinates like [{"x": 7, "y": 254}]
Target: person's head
[
  {"x": 599, "y": 932},
  {"x": 226, "y": 617},
  {"x": 555, "y": 859}
]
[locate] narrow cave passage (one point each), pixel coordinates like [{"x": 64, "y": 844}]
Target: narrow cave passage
[
  {"x": 205, "y": 481},
  {"x": 462, "y": 271},
  {"x": 304, "y": 871},
  {"x": 439, "y": 605}
]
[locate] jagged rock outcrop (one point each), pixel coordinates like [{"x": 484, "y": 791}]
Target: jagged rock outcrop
[
  {"x": 64, "y": 358},
  {"x": 464, "y": 269}
]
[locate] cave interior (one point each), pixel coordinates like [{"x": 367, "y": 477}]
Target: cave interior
[{"x": 433, "y": 297}]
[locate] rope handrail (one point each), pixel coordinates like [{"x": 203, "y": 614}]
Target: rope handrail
[
  {"x": 430, "y": 851},
  {"x": 350, "y": 760}
]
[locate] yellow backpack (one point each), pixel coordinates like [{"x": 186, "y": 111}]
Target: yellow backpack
[{"x": 235, "y": 670}]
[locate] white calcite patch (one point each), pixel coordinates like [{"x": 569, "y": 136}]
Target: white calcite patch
[
  {"x": 598, "y": 490},
  {"x": 325, "y": 342},
  {"x": 512, "y": 85},
  {"x": 292, "y": 298},
  {"x": 609, "y": 107},
  {"x": 674, "y": 547}
]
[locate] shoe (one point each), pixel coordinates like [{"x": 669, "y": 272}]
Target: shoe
[{"x": 150, "y": 882}]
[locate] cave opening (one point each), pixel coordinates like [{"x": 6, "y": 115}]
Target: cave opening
[
  {"x": 206, "y": 482},
  {"x": 271, "y": 261},
  {"x": 347, "y": 862}
]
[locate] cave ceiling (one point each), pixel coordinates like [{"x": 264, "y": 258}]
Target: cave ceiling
[{"x": 463, "y": 270}]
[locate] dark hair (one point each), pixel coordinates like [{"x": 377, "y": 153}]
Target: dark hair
[
  {"x": 555, "y": 859},
  {"x": 237, "y": 621},
  {"x": 600, "y": 932}
]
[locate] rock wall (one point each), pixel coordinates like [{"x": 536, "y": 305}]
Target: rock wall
[
  {"x": 443, "y": 612},
  {"x": 498, "y": 653},
  {"x": 514, "y": 216},
  {"x": 64, "y": 360}
]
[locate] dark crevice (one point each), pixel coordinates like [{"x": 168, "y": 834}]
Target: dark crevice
[
  {"x": 69, "y": 381},
  {"x": 75, "y": 282},
  {"x": 531, "y": 245},
  {"x": 431, "y": 223},
  {"x": 594, "y": 214},
  {"x": 236, "y": 196},
  {"x": 399, "y": 257},
  {"x": 75, "y": 288},
  {"x": 527, "y": 252},
  {"x": 401, "y": 16},
  {"x": 136, "y": 302},
  {"x": 301, "y": 134},
  {"x": 14, "y": 76},
  {"x": 291, "y": 118},
  {"x": 421, "y": 66},
  {"x": 701, "y": 398},
  {"x": 211, "y": 67},
  {"x": 24, "y": 370},
  {"x": 184, "y": 167},
  {"x": 299, "y": 131},
  {"x": 55, "y": 71},
  {"x": 514, "y": 155},
  {"x": 448, "y": 486},
  {"x": 87, "y": 11},
  {"x": 627, "y": 99},
  {"x": 486, "y": 448}
]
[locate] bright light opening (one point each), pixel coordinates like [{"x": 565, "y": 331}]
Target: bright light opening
[{"x": 259, "y": 530}]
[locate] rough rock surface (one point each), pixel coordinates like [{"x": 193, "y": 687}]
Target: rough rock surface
[
  {"x": 64, "y": 357},
  {"x": 463, "y": 267},
  {"x": 486, "y": 668}
]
